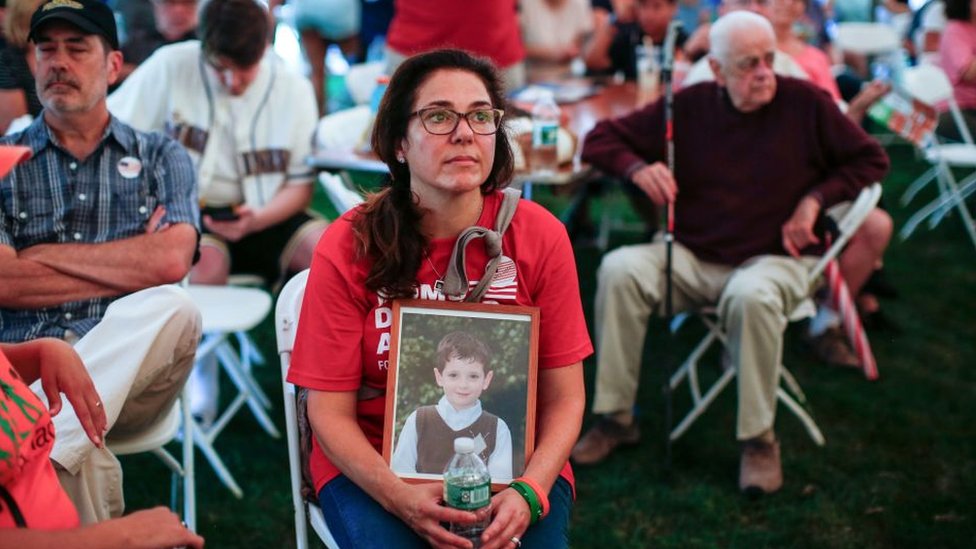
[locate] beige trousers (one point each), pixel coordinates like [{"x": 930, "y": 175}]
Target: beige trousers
[
  {"x": 139, "y": 357},
  {"x": 754, "y": 300}
]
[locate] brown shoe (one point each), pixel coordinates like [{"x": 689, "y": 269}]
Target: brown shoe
[
  {"x": 602, "y": 439},
  {"x": 832, "y": 347},
  {"x": 760, "y": 471}
]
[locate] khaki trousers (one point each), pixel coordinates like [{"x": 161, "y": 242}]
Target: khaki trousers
[
  {"x": 754, "y": 300},
  {"x": 139, "y": 357}
]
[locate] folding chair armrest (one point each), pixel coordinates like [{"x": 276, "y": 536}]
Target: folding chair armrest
[{"x": 848, "y": 225}]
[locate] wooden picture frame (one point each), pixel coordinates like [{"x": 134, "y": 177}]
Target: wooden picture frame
[{"x": 417, "y": 397}]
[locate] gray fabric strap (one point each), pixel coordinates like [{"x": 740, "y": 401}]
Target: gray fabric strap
[{"x": 456, "y": 281}]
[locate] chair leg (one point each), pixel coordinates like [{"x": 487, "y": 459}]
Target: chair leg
[
  {"x": 706, "y": 401},
  {"x": 923, "y": 213},
  {"x": 692, "y": 360},
  {"x": 247, "y": 388},
  {"x": 205, "y": 444},
  {"x": 189, "y": 467},
  {"x": 792, "y": 385},
  {"x": 951, "y": 195},
  {"x": 803, "y": 416},
  {"x": 918, "y": 185},
  {"x": 226, "y": 354},
  {"x": 249, "y": 349},
  {"x": 965, "y": 188}
]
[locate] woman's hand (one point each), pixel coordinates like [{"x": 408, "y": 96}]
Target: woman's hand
[
  {"x": 156, "y": 528},
  {"x": 418, "y": 505},
  {"x": 62, "y": 371},
  {"x": 510, "y": 519}
]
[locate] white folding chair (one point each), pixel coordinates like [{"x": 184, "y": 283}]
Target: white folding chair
[
  {"x": 340, "y": 191},
  {"x": 361, "y": 80},
  {"x": 866, "y": 38},
  {"x": 930, "y": 85},
  {"x": 345, "y": 129},
  {"x": 847, "y": 225},
  {"x": 154, "y": 439},
  {"x": 287, "y": 312},
  {"x": 226, "y": 311}
]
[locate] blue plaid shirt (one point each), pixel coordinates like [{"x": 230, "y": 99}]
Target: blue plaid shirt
[{"x": 56, "y": 198}]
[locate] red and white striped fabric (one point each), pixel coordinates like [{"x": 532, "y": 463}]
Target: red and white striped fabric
[{"x": 840, "y": 298}]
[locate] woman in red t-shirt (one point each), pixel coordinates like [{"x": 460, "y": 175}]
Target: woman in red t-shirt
[{"x": 439, "y": 129}]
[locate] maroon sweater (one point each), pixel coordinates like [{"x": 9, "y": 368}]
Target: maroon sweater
[{"x": 741, "y": 175}]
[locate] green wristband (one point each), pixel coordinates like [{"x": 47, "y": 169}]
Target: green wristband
[{"x": 527, "y": 493}]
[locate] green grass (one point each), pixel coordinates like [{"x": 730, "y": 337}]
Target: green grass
[{"x": 898, "y": 470}]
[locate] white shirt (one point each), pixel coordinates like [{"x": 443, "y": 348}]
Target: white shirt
[
  {"x": 404, "y": 459},
  {"x": 277, "y": 112}
]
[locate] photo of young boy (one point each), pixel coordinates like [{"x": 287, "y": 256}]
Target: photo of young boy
[{"x": 426, "y": 442}]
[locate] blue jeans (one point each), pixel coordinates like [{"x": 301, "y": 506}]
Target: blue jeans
[{"x": 357, "y": 521}]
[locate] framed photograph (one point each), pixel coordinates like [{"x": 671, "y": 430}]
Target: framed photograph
[{"x": 460, "y": 370}]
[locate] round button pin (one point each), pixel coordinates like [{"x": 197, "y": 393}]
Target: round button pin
[{"x": 130, "y": 167}]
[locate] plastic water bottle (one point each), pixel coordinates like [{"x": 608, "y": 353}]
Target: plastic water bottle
[
  {"x": 545, "y": 133},
  {"x": 467, "y": 486},
  {"x": 648, "y": 74}
]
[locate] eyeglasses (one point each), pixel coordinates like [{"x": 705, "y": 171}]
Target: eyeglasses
[
  {"x": 441, "y": 121},
  {"x": 751, "y": 63}
]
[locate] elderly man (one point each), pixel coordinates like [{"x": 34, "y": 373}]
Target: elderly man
[
  {"x": 865, "y": 250},
  {"x": 758, "y": 158},
  {"x": 93, "y": 228}
]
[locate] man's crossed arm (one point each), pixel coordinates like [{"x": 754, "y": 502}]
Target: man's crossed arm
[{"x": 46, "y": 275}]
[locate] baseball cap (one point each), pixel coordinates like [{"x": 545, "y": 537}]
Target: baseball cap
[
  {"x": 91, "y": 16},
  {"x": 10, "y": 156}
]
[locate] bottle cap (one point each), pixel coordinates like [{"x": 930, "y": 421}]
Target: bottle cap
[{"x": 464, "y": 445}]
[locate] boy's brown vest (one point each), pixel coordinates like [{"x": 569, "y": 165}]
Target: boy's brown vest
[{"x": 435, "y": 440}]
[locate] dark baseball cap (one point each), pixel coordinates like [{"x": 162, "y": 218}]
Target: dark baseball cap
[{"x": 91, "y": 16}]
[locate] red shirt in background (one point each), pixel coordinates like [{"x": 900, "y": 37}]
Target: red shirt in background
[{"x": 488, "y": 28}]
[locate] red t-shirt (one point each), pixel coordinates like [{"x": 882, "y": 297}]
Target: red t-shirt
[
  {"x": 343, "y": 338},
  {"x": 488, "y": 28},
  {"x": 26, "y": 472}
]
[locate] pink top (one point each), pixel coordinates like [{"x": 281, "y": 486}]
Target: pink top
[
  {"x": 956, "y": 54},
  {"x": 816, "y": 64},
  {"x": 26, "y": 472}
]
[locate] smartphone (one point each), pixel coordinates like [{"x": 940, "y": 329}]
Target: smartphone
[{"x": 220, "y": 213}]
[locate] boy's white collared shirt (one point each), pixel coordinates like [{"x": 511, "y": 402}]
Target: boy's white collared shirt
[{"x": 458, "y": 419}]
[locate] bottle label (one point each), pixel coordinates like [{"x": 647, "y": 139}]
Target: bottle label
[
  {"x": 467, "y": 498},
  {"x": 545, "y": 135}
]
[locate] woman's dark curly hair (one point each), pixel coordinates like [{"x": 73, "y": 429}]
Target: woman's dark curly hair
[{"x": 387, "y": 226}]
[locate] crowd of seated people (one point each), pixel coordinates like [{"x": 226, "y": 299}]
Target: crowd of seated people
[
  {"x": 206, "y": 135},
  {"x": 98, "y": 264}
]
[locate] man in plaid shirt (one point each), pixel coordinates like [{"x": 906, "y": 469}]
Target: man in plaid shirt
[{"x": 94, "y": 229}]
